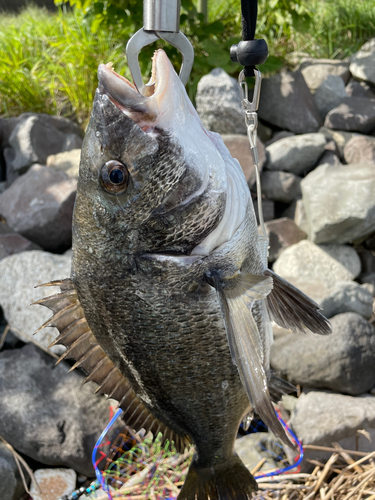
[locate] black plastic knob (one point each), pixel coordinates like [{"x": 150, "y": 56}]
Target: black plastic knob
[{"x": 249, "y": 53}]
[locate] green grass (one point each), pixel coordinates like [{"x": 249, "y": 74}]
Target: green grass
[{"x": 48, "y": 62}]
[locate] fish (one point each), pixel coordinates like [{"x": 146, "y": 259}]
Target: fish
[{"x": 170, "y": 302}]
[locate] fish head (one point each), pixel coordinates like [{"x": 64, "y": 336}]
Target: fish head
[{"x": 151, "y": 177}]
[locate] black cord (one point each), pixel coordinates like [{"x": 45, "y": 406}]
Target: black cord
[{"x": 249, "y": 10}]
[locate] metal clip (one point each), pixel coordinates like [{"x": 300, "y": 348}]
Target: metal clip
[
  {"x": 254, "y": 104},
  {"x": 161, "y": 21}
]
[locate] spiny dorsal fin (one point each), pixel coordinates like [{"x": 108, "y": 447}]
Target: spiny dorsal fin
[{"x": 82, "y": 346}]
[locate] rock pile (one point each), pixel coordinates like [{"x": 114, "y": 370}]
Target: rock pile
[
  {"x": 318, "y": 181},
  {"x": 317, "y": 162}
]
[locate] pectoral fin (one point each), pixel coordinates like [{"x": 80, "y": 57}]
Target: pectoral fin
[
  {"x": 292, "y": 309},
  {"x": 236, "y": 298}
]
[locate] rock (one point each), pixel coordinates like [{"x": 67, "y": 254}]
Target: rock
[
  {"x": 264, "y": 132},
  {"x": 67, "y": 162},
  {"x": 282, "y": 233},
  {"x": 35, "y": 138},
  {"x": 342, "y": 362},
  {"x": 360, "y": 148},
  {"x": 218, "y": 102},
  {"x": 12, "y": 242},
  {"x": 281, "y": 186},
  {"x": 347, "y": 296},
  {"x": 362, "y": 65},
  {"x": 300, "y": 216},
  {"x": 54, "y": 483},
  {"x": 239, "y": 148},
  {"x": 330, "y": 94},
  {"x": 268, "y": 208},
  {"x": 316, "y": 71},
  {"x": 339, "y": 202},
  {"x": 45, "y": 413},
  {"x": 360, "y": 89},
  {"x": 39, "y": 205},
  {"x": 286, "y": 102},
  {"x": 326, "y": 263},
  {"x": 20, "y": 273},
  {"x": 297, "y": 154},
  {"x": 368, "y": 278},
  {"x": 367, "y": 258},
  {"x": 370, "y": 287},
  {"x": 255, "y": 446},
  {"x": 354, "y": 114},
  {"x": 339, "y": 137},
  {"x": 11, "y": 486},
  {"x": 321, "y": 418},
  {"x": 279, "y": 135},
  {"x": 329, "y": 158}
]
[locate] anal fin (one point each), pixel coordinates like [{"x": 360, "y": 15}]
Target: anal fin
[
  {"x": 82, "y": 346},
  {"x": 292, "y": 309}
]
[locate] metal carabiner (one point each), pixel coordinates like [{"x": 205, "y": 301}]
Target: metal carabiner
[
  {"x": 161, "y": 19},
  {"x": 254, "y": 104}
]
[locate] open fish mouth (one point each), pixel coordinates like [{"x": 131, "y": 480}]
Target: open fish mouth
[{"x": 142, "y": 107}]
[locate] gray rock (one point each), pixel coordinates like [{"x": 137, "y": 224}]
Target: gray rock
[
  {"x": 339, "y": 137},
  {"x": 62, "y": 482},
  {"x": 282, "y": 233},
  {"x": 239, "y": 148},
  {"x": 330, "y": 94},
  {"x": 45, "y": 413},
  {"x": 368, "y": 278},
  {"x": 321, "y": 418},
  {"x": 253, "y": 447},
  {"x": 362, "y": 65},
  {"x": 342, "y": 362},
  {"x": 370, "y": 287},
  {"x": 218, "y": 102},
  {"x": 329, "y": 158},
  {"x": 286, "y": 102},
  {"x": 300, "y": 217},
  {"x": 347, "y": 296},
  {"x": 281, "y": 186},
  {"x": 268, "y": 208},
  {"x": 360, "y": 148},
  {"x": 360, "y": 89},
  {"x": 34, "y": 139},
  {"x": 67, "y": 162},
  {"x": 279, "y": 135},
  {"x": 325, "y": 263},
  {"x": 11, "y": 487},
  {"x": 264, "y": 132},
  {"x": 297, "y": 154},
  {"x": 315, "y": 71},
  {"x": 12, "y": 242},
  {"x": 339, "y": 202},
  {"x": 39, "y": 205},
  {"x": 367, "y": 258},
  {"x": 353, "y": 114},
  {"x": 20, "y": 273}
]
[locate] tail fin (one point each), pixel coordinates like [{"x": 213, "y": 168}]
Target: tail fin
[{"x": 229, "y": 480}]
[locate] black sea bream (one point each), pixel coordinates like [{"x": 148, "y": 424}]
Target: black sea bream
[{"x": 169, "y": 302}]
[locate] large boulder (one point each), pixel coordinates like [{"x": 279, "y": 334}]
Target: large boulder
[
  {"x": 19, "y": 275},
  {"x": 316, "y": 71},
  {"x": 296, "y": 154},
  {"x": 239, "y": 148},
  {"x": 360, "y": 89},
  {"x": 324, "y": 263},
  {"x": 339, "y": 137},
  {"x": 321, "y": 418},
  {"x": 12, "y": 242},
  {"x": 11, "y": 486},
  {"x": 281, "y": 186},
  {"x": 39, "y": 205},
  {"x": 36, "y": 136},
  {"x": 362, "y": 65},
  {"x": 45, "y": 413},
  {"x": 360, "y": 148},
  {"x": 342, "y": 362},
  {"x": 218, "y": 102},
  {"x": 286, "y": 102},
  {"x": 339, "y": 202},
  {"x": 346, "y": 296},
  {"x": 354, "y": 114}
]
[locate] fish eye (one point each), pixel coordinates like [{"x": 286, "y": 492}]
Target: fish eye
[{"x": 114, "y": 177}]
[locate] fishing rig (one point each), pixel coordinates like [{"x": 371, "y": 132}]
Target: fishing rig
[{"x": 161, "y": 21}]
